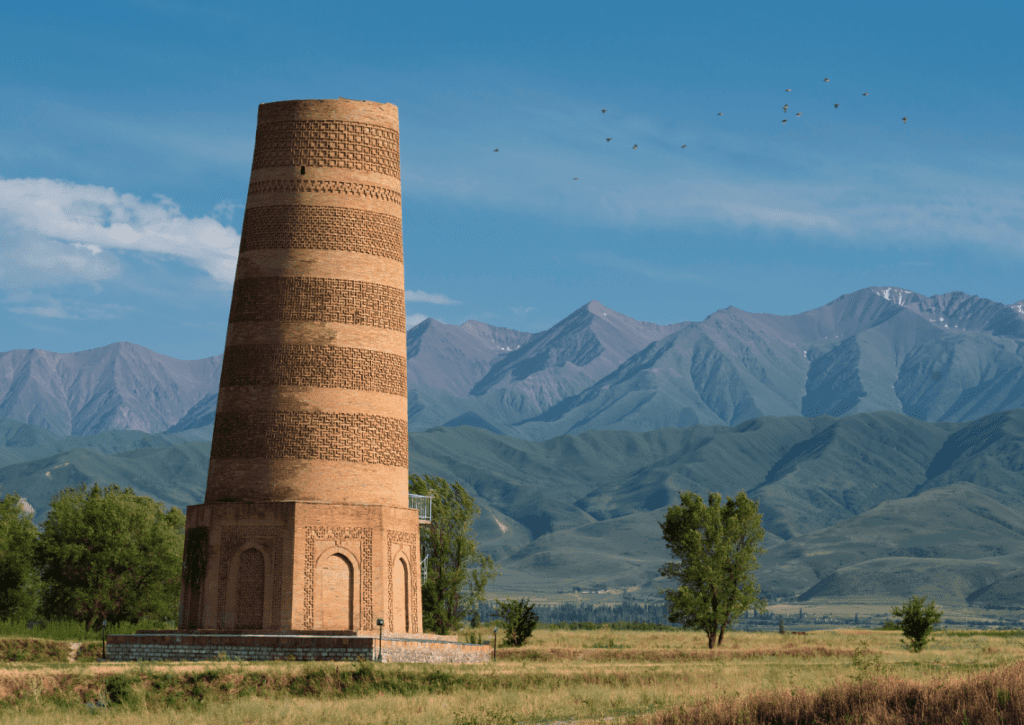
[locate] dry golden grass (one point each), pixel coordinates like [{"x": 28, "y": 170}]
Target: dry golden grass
[{"x": 661, "y": 678}]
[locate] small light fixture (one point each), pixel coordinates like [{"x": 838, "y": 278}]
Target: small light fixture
[{"x": 380, "y": 645}]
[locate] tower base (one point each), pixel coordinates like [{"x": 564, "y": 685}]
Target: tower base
[
  {"x": 197, "y": 646},
  {"x": 300, "y": 566}
]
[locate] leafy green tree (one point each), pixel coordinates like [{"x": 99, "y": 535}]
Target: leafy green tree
[
  {"x": 717, "y": 548},
  {"x": 110, "y": 554},
  {"x": 19, "y": 580},
  {"x": 916, "y": 619},
  {"x": 518, "y": 620},
  {"x": 457, "y": 574}
]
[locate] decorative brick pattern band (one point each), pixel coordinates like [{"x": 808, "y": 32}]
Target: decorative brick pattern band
[
  {"x": 323, "y": 186},
  {"x": 314, "y": 366},
  {"x": 334, "y": 144},
  {"x": 313, "y": 299},
  {"x": 303, "y": 226},
  {"x": 250, "y": 590},
  {"x": 311, "y": 435},
  {"x": 320, "y": 533}
]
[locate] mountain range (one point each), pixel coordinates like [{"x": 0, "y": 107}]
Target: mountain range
[
  {"x": 882, "y": 434},
  {"x": 950, "y": 357}
]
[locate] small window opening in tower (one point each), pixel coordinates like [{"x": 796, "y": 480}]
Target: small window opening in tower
[{"x": 302, "y": 169}]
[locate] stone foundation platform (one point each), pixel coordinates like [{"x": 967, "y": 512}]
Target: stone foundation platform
[{"x": 163, "y": 645}]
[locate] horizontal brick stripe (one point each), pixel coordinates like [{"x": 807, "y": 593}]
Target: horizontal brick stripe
[
  {"x": 322, "y": 227},
  {"x": 324, "y": 186},
  {"x": 312, "y": 299},
  {"x": 314, "y": 366},
  {"x": 340, "y": 144},
  {"x": 311, "y": 435}
]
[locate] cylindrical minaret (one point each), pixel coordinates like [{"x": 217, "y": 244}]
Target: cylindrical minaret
[
  {"x": 312, "y": 400},
  {"x": 306, "y": 525}
]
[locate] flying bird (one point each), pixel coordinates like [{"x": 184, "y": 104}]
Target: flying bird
[
  {"x": 798, "y": 113},
  {"x": 826, "y": 80},
  {"x": 683, "y": 146},
  {"x": 719, "y": 114},
  {"x": 607, "y": 139},
  {"x": 634, "y": 145},
  {"x": 786, "y": 108},
  {"x": 604, "y": 110},
  {"x": 904, "y": 119},
  {"x": 576, "y": 178},
  {"x": 784, "y": 120},
  {"x": 837, "y": 105},
  {"x": 788, "y": 90},
  {"x": 863, "y": 94},
  {"x": 495, "y": 150}
]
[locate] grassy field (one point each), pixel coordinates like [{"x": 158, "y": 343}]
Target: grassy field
[{"x": 660, "y": 678}]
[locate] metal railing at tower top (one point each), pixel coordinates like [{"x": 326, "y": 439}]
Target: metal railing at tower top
[{"x": 421, "y": 504}]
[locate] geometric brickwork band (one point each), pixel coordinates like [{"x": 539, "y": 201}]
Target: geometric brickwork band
[
  {"x": 290, "y": 226},
  {"x": 314, "y": 366},
  {"x": 316, "y": 299},
  {"x": 321, "y": 186},
  {"x": 311, "y": 435},
  {"x": 331, "y": 144}
]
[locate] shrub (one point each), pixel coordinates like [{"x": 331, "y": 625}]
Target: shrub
[
  {"x": 916, "y": 619},
  {"x": 518, "y": 620},
  {"x": 119, "y": 689}
]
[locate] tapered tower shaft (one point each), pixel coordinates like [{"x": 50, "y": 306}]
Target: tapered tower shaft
[
  {"x": 306, "y": 525},
  {"x": 312, "y": 400}
]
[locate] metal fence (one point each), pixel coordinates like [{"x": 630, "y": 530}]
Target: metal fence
[{"x": 421, "y": 504}]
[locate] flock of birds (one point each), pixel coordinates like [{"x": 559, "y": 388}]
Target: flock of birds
[{"x": 785, "y": 109}]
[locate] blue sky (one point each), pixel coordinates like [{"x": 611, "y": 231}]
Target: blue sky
[{"x": 127, "y": 129}]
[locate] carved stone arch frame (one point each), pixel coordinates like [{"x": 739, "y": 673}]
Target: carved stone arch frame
[
  {"x": 231, "y": 610},
  {"x": 356, "y": 564},
  {"x": 401, "y": 558},
  {"x": 405, "y": 545}
]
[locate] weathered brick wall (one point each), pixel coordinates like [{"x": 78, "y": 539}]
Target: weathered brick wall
[{"x": 193, "y": 648}]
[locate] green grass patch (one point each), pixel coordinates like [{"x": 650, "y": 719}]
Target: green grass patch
[{"x": 71, "y": 631}]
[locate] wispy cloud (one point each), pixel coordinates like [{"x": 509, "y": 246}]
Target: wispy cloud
[
  {"x": 521, "y": 311},
  {"x": 43, "y": 305},
  {"x": 884, "y": 185},
  {"x": 431, "y": 297},
  {"x": 413, "y": 320},
  {"x": 54, "y": 232},
  {"x": 641, "y": 266}
]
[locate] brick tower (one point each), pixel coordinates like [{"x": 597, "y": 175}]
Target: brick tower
[{"x": 306, "y": 525}]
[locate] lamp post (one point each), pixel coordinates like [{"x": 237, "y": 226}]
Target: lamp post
[
  {"x": 380, "y": 642},
  {"x": 495, "y": 659},
  {"x": 104, "y": 639}
]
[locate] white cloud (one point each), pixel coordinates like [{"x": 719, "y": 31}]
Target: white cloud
[
  {"x": 522, "y": 310},
  {"x": 413, "y": 320},
  {"x": 55, "y": 232},
  {"x": 436, "y": 299},
  {"x": 29, "y": 303}
]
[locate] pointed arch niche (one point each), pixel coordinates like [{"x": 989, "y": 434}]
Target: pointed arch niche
[
  {"x": 249, "y": 588},
  {"x": 400, "y": 593},
  {"x": 336, "y": 590}
]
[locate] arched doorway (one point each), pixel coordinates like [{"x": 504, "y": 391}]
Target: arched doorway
[
  {"x": 336, "y": 588},
  {"x": 400, "y": 597},
  {"x": 251, "y": 581}
]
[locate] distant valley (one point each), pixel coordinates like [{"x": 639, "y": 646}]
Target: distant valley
[{"x": 869, "y": 505}]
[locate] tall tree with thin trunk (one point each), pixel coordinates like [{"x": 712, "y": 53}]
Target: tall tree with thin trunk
[
  {"x": 717, "y": 549},
  {"x": 457, "y": 574}
]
